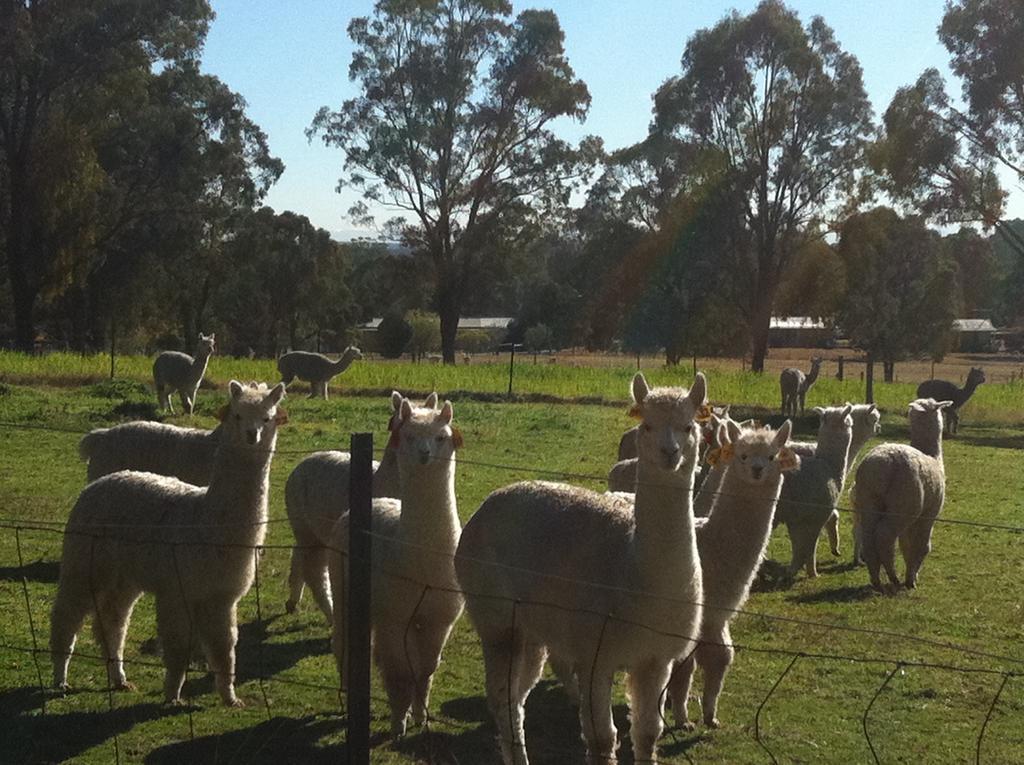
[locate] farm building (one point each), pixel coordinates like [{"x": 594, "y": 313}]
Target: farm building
[
  {"x": 974, "y": 335},
  {"x": 799, "y": 332},
  {"x": 496, "y": 327}
]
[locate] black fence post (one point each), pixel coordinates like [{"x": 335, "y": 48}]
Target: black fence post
[
  {"x": 358, "y": 621},
  {"x": 841, "y": 373},
  {"x": 511, "y": 348}
]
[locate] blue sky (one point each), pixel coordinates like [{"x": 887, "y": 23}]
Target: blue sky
[{"x": 288, "y": 59}]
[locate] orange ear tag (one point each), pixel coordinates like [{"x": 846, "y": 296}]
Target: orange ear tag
[
  {"x": 727, "y": 453},
  {"x": 280, "y": 417},
  {"x": 713, "y": 456},
  {"x": 636, "y": 412},
  {"x": 704, "y": 413},
  {"x": 788, "y": 459}
]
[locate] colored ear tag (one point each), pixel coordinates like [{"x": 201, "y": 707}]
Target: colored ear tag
[
  {"x": 457, "y": 438},
  {"x": 713, "y": 457},
  {"x": 788, "y": 459},
  {"x": 727, "y": 452},
  {"x": 704, "y": 413},
  {"x": 280, "y": 417},
  {"x": 636, "y": 412}
]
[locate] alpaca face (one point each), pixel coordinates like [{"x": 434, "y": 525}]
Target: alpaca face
[
  {"x": 976, "y": 376},
  {"x": 668, "y": 436},
  {"x": 424, "y": 436},
  {"x": 866, "y": 418},
  {"x": 356, "y": 354},
  {"x": 252, "y": 414},
  {"x": 926, "y": 415},
  {"x": 835, "y": 419},
  {"x": 207, "y": 344},
  {"x": 759, "y": 456}
]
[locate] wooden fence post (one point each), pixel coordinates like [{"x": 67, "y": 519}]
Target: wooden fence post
[{"x": 358, "y": 621}]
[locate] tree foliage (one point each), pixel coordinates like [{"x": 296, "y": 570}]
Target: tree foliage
[{"x": 452, "y": 128}]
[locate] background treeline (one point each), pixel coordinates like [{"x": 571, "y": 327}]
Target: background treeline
[{"x": 131, "y": 189}]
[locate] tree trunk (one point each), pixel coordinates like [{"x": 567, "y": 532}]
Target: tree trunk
[
  {"x": 888, "y": 370},
  {"x": 448, "y": 310},
  {"x": 869, "y": 377},
  {"x": 759, "y": 335},
  {"x": 24, "y": 307}
]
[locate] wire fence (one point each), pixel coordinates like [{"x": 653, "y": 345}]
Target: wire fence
[{"x": 965, "y": 661}]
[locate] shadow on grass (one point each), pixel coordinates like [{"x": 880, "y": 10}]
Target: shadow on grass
[
  {"x": 995, "y": 440},
  {"x": 44, "y": 571},
  {"x": 278, "y": 740},
  {"x": 63, "y": 737},
  {"x": 772, "y": 576},
  {"x": 836, "y": 595}
]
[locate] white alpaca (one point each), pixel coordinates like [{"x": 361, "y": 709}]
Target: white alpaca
[
  {"x": 415, "y": 594},
  {"x": 175, "y": 371},
  {"x": 898, "y": 494},
  {"x": 811, "y": 494},
  {"x": 731, "y": 542},
  {"x": 193, "y": 548},
  {"x": 315, "y": 496},
  {"x": 794, "y": 384},
  {"x": 315, "y": 368},
  {"x": 596, "y": 581},
  {"x": 153, "y": 447}
]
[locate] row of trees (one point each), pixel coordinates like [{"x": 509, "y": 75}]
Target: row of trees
[{"x": 131, "y": 185}]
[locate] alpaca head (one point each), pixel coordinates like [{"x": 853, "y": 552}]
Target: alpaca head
[
  {"x": 759, "y": 455},
  {"x": 252, "y": 414},
  {"x": 835, "y": 419},
  {"x": 975, "y": 377},
  {"x": 423, "y": 436},
  {"x": 926, "y": 419},
  {"x": 867, "y": 420},
  {"x": 206, "y": 345},
  {"x": 668, "y": 435},
  {"x": 353, "y": 353}
]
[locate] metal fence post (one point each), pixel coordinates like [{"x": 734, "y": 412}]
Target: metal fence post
[{"x": 358, "y": 622}]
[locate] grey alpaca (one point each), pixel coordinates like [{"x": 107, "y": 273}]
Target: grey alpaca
[
  {"x": 176, "y": 371},
  {"x": 315, "y": 368},
  {"x": 794, "y": 385},
  {"x": 943, "y": 390}
]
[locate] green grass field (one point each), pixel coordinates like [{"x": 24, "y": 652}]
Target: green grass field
[{"x": 968, "y": 595}]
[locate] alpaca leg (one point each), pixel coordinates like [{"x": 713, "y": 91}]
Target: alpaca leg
[
  {"x": 174, "y": 627},
  {"x": 679, "y": 690},
  {"x": 566, "y": 675},
  {"x": 430, "y": 640},
  {"x": 865, "y": 544},
  {"x": 645, "y": 684},
  {"x": 339, "y": 622},
  {"x": 295, "y": 580},
  {"x": 393, "y": 661},
  {"x": 501, "y": 655},
  {"x": 218, "y": 629},
  {"x": 314, "y": 573},
  {"x": 803, "y": 539},
  {"x": 915, "y": 544},
  {"x": 886, "y": 535},
  {"x": 66, "y": 618},
  {"x": 110, "y": 627},
  {"x": 323, "y": 389},
  {"x": 832, "y": 529},
  {"x": 596, "y": 714},
  {"x": 714, "y": 659}
]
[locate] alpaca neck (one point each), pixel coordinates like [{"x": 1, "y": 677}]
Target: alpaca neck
[
  {"x": 810, "y": 378},
  {"x": 664, "y": 540},
  {"x": 733, "y": 540},
  {"x": 708, "y": 492},
  {"x": 238, "y": 486},
  {"x": 927, "y": 441},
  {"x": 385, "y": 477},
  {"x": 833, "y": 448},
  {"x": 429, "y": 512},
  {"x": 857, "y": 442},
  {"x": 198, "y": 368},
  {"x": 966, "y": 392},
  {"x": 343, "y": 363}
]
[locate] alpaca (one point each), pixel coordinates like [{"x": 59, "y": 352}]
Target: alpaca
[
  {"x": 941, "y": 390},
  {"x": 794, "y": 385},
  {"x": 174, "y": 371},
  {"x": 600, "y": 583},
  {"x": 731, "y": 542},
  {"x": 315, "y": 368},
  {"x": 193, "y": 548},
  {"x": 810, "y": 495},
  {"x": 416, "y": 599},
  {"x": 898, "y": 494},
  {"x": 627, "y": 443},
  {"x": 153, "y": 447},
  {"x": 315, "y": 496}
]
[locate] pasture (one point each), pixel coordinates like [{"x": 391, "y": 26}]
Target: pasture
[{"x": 968, "y": 597}]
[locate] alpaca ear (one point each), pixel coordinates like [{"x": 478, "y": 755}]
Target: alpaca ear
[
  {"x": 275, "y": 395},
  {"x": 847, "y": 410},
  {"x": 788, "y": 459},
  {"x": 447, "y": 413},
  {"x": 719, "y": 436},
  {"x": 457, "y": 438},
  {"x": 699, "y": 392},
  {"x": 783, "y": 433},
  {"x": 943, "y": 404},
  {"x": 733, "y": 431},
  {"x": 235, "y": 388},
  {"x": 640, "y": 388},
  {"x": 222, "y": 413},
  {"x": 406, "y": 412},
  {"x": 280, "y": 417},
  {"x": 873, "y": 408},
  {"x": 431, "y": 402},
  {"x": 818, "y": 411},
  {"x": 396, "y": 401}
]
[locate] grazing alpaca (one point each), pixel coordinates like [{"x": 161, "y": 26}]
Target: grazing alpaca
[
  {"x": 193, "y": 548},
  {"x": 600, "y": 583},
  {"x": 315, "y": 368},
  {"x": 153, "y": 447},
  {"x": 315, "y": 496},
  {"x": 416, "y": 599},
  {"x": 794, "y": 385},
  {"x": 175, "y": 371},
  {"x": 941, "y": 390},
  {"x": 811, "y": 494},
  {"x": 731, "y": 542},
  {"x": 898, "y": 494}
]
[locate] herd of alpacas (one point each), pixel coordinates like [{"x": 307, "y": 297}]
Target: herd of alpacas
[{"x": 644, "y": 578}]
